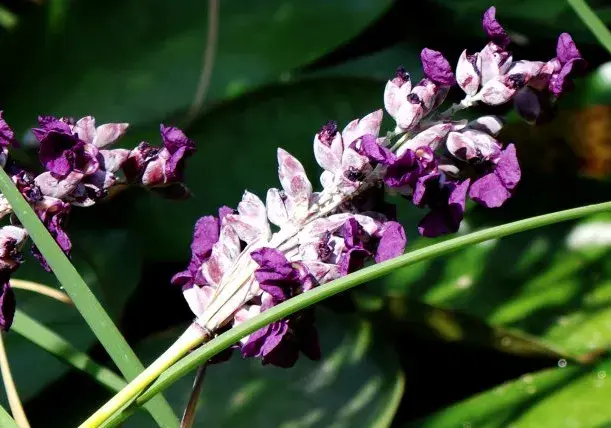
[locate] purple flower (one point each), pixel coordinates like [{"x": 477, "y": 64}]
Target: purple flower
[
  {"x": 392, "y": 243},
  {"x": 161, "y": 166},
  {"x": 569, "y": 62},
  {"x": 495, "y": 32},
  {"x": 7, "y": 136},
  {"x": 53, "y": 213},
  {"x": 437, "y": 68},
  {"x": 7, "y": 302},
  {"x": 62, "y": 151},
  {"x": 205, "y": 234},
  {"x": 377, "y": 153},
  {"x": 445, "y": 198},
  {"x": 495, "y": 187},
  {"x": 275, "y": 275},
  {"x": 12, "y": 239},
  {"x": 355, "y": 240},
  {"x": 409, "y": 167},
  {"x": 280, "y": 342}
]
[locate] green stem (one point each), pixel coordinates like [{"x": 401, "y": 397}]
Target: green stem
[
  {"x": 85, "y": 301},
  {"x": 5, "y": 419},
  {"x": 593, "y": 22},
  {"x": 191, "y": 338},
  {"x": 53, "y": 343},
  {"x": 297, "y": 303}
]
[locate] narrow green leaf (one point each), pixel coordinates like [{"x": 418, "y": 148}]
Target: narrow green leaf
[
  {"x": 62, "y": 349},
  {"x": 332, "y": 288},
  {"x": 593, "y": 22},
  {"x": 85, "y": 301},
  {"x": 5, "y": 419}
]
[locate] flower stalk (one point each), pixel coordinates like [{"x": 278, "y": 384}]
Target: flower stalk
[
  {"x": 191, "y": 338},
  {"x": 11, "y": 389}
]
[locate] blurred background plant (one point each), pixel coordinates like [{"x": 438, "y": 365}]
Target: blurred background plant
[{"x": 513, "y": 332}]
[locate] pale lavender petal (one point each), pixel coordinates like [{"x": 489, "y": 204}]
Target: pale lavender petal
[{"x": 109, "y": 133}]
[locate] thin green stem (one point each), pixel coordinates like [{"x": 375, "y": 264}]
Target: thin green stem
[
  {"x": 85, "y": 301},
  {"x": 59, "y": 347},
  {"x": 11, "y": 389},
  {"x": 297, "y": 303},
  {"x": 593, "y": 22},
  {"x": 5, "y": 419}
]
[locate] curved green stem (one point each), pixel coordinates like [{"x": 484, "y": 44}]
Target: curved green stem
[
  {"x": 85, "y": 301},
  {"x": 297, "y": 303}
]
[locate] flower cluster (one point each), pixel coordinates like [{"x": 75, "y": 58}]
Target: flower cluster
[
  {"x": 247, "y": 260},
  {"x": 80, "y": 169}
]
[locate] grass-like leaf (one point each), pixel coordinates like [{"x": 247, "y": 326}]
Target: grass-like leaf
[
  {"x": 593, "y": 22},
  {"x": 55, "y": 344},
  {"x": 5, "y": 419},
  {"x": 84, "y": 300}
]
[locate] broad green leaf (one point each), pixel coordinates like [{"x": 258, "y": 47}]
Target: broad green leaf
[
  {"x": 236, "y": 150},
  {"x": 358, "y": 383},
  {"x": 140, "y": 61},
  {"x": 564, "y": 397},
  {"x": 110, "y": 265},
  {"x": 551, "y": 283}
]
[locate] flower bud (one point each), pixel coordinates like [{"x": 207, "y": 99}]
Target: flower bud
[
  {"x": 467, "y": 72},
  {"x": 410, "y": 113}
]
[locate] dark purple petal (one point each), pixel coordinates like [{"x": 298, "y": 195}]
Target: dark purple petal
[
  {"x": 489, "y": 191},
  {"x": 252, "y": 348},
  {"x": 353, "y": 260},
  {"x": 56, "y": 152},
  {"x": 352, "y": 232},
  {"x": 183, "y": 279},
  {"x": 276, "y": 275},
  {"x": 421, "y": 191},
  {"x": 561, "y": 82},
  {"x": 405, "y": 170},
  {"x": 392, "y": 243},
  {"x": 374, "y": 151},
  {"x": 7, "y": 302},
  {"x": 175, "y": 166},
  {"x": 437, "y": 68},
  {"x": 447, "y": 203},
  {"x": 205, "y": 235},
  {"x": 566, "y": 50},
  {"x": 495, "y": 32},
  {"x": 54, "y": 218},
  {"x": 527, "y": 104},
  {"x": 174, "y": 139},
  {"x": 50, "y": 124},
  {"x": 435, "y": 224},
  {"x": 508, "y": 168},
  {"x": 7, "y": 136}
]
